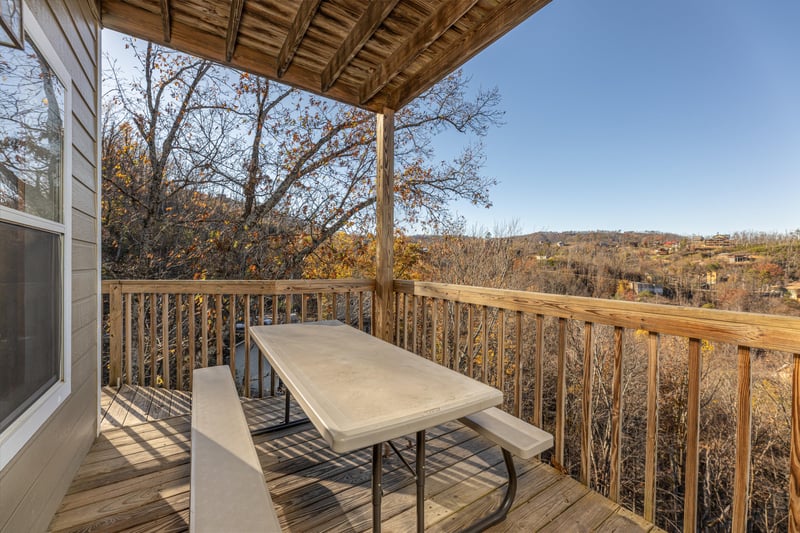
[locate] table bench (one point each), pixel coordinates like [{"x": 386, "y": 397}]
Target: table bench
[
  {"x": 227, "y": 488},
  {"x": 515, "y": 437}
]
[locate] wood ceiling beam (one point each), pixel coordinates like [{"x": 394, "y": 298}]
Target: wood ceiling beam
[
  {"x": 166, "y": 21},
  {"x": 504, "y": 17},
  {"x": 306, "y": 12},
  {"x": 233, "y": 28},
  {"x": 128, "y": 19},
  {"x": 365, "y": 27},
  {"x": 426, "y": 34}
]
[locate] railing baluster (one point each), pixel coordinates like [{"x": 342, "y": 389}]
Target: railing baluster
[
  {"x": 518, "y": 366},
  {"x": 586, "y": 404},
  {"x": 361, "y": 310},
  {"x": 320, "y": 315},
  {"x": 140, "y": 318},
  {"x": 218, "y": 325},
  {"x": 616, "y": 417},
  {"x": 651, "y": 442},
  {"x": 692, "y": 438},
  {"x": 128, "y": 339},
  {"x": 396, "y": 319},
  {"x": 275, "y": 308},
  {"x": 246, "y": 378},
  {"x": 457, "y": 347},
  {"x": 485, "y": 344},
  {"x": 179, "y": 341},
  {"x": 470, "y": 343},
  {"x": 539, "y": 366},
  {"x": 405, "y": 321},
  {"x": 434, "y": 328},
  {"x": 414, "y": 326},
  {"x": 501, "y": 352},
  {"x": 741, "y": 485},
  {"x": 115, "y": 336},
  {"x": 260, "y": 356},
  {"x": 231, "y": 333},
  {"x": 445, "y": 333},
  {"x": 347, "y": 314},
  {"x": 165, "y": 367},
  {"x": 561, "y": 385},
  {"x": 153, "y": 347},
  {"x": 192, "y": 333},
  {"x": 794, "y": 456},
  {"x": 303, "y": 307},
  {"x": 423, "y": 332},
  {"x": 204, "y": 331}
]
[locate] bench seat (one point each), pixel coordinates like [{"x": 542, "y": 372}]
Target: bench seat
[
  {"x": 227, "y": 488},
  {"x": 509, "y": 432}
]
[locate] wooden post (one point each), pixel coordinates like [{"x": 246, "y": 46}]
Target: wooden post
[
  {"x": 692, "y": 438},
  {"x": 741, "y": 485},
  {"x": 651, "y": 442},
  {"x": 794, "y": 457},
  {"x": 384, "y": 231},
  {"x": 115, "y": 335}
]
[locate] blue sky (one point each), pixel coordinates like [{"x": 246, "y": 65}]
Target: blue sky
[{"x": 678, "y": 116}]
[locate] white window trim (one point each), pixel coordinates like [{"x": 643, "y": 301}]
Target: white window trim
[{"x": 20, "y": 432}]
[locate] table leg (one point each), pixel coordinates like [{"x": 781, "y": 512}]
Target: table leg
[
  {"x": 377, "y": 488},
  {"x": 286, "y": 408},
  {"x": 420, "y": 481}
]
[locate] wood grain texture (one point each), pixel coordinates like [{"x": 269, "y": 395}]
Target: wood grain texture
[
  {"x": 538, "y": 363},
  {"x": 741, "y": 483},
  {"x": 294, "y": 36},
  {"x": 651, "y": 440},
  {"x": 794, "y": 458},
  {"x": 692, "y": 438},
  {"x": 115, "y": 334},
  {"x": 615, "y": 454},
  {"x": 136, "y": 478},
  {"x": 232, "y": 32},
  {"x": 384, "y": 226},
  {"x": 586, "y": 405},
  {"x": 561, "y": 386},
  {"x": 771, "y": 332},
  {"x": 370, "y": 20}
]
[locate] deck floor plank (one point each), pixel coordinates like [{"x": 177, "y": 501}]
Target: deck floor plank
[{"x": 136, "y": 478}]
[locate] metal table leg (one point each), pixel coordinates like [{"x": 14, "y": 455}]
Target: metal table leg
[
  {"x": 511, "y": 491},
  {"x": 377, "y": 488},
  {"x": 420, "y": 473}
]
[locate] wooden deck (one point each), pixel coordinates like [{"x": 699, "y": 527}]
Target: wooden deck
[{"x": 136, "y": 478}]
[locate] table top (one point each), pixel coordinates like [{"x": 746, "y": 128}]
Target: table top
[{"x": 358, "y": 390}]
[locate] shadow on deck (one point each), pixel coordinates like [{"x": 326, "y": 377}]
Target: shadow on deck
[{"x": 136, "y": 478}]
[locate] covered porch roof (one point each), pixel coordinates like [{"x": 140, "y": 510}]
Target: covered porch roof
[{"x": 373, "y": 54}]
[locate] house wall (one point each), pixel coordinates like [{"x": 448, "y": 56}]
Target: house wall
[{"x": 33, "y": 483}]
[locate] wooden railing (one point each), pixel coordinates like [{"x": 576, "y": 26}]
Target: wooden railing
[
  {"x": 594, "y": 372},
  {"x": 513, "y": 339},
  {"x": 159, "y": 331}
]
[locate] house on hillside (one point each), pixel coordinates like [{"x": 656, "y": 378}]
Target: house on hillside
[{"x": 793, "y": 290}]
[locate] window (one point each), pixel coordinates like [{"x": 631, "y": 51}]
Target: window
[{"x": 35, "y": 116}]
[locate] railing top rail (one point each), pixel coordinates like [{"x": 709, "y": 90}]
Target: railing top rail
[
  {"x": 772, "y": 332},
  {"x": 267, "y": 287}
]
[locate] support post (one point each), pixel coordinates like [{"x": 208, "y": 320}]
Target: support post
[
  {"x": 115, "y": 336},
  {"x": 384, "y": 231}
]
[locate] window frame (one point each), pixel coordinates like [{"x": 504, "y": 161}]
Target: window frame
[{"x": 22, "y": 430}]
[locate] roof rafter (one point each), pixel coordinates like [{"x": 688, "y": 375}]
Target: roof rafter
[
  {"x": 436, "y": 24},
  {"x": 233, "y": 28},
  {"x": 490, "y": 29},
  {"x": 166, "y": 22},
  {"x": 369, "y": 22},
  {"x": 307, "y": 10}
]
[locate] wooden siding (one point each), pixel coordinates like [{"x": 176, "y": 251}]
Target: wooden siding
[
  {"x": 34, "y": 482},
  {"x": 137, "y": 478}
]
